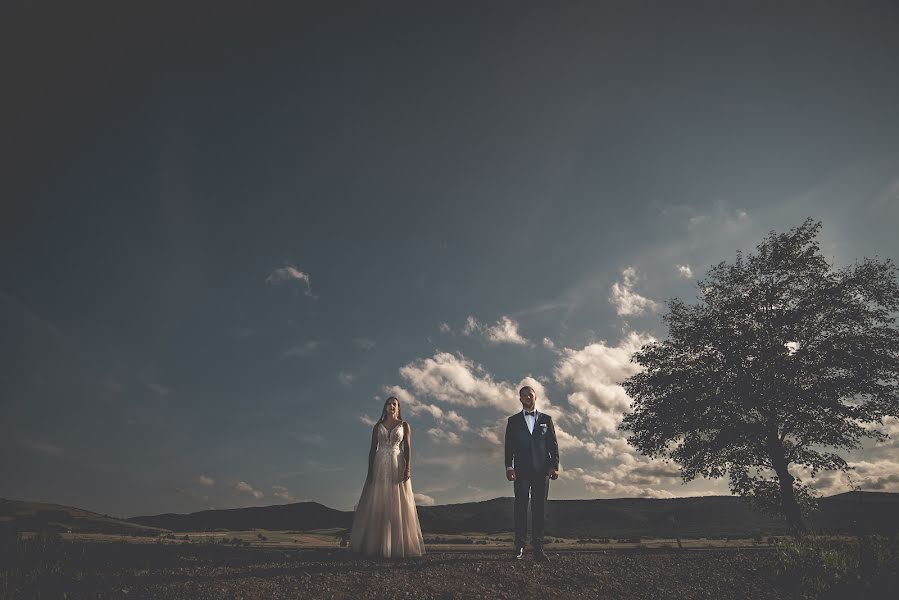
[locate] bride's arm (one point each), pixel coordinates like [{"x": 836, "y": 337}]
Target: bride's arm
[
  {"x": 371, "y": 452},
  {"x": 407, "y": 450}
]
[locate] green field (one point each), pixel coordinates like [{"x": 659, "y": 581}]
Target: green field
[{"x": 472, "y": 541}]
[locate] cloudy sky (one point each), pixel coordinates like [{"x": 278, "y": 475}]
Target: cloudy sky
[{"x": 227, "y": 237}]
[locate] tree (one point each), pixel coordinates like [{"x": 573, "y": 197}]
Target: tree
[{"x": 782, "y": 362}]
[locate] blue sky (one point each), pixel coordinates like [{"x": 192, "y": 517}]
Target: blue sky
[{"x": 227, "y": 237}]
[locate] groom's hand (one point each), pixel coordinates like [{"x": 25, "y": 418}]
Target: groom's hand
[
  {"x": 510, "y": 474},
  {"x": 553, "y": 474}
]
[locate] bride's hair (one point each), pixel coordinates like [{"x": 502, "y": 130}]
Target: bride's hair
[{"x": 399, "y": 411}]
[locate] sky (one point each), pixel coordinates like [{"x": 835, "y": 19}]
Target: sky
[{"x": 226, "y": 237}]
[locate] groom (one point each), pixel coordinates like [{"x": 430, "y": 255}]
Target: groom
[{"x": 532, "y": 459}]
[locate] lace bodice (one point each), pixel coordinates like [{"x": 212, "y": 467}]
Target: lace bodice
[{"x": 390, "y": 440}]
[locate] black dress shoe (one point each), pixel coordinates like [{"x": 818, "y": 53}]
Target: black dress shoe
[
  {"x": 520, "y": 553},
  {"x": 540, "y": 556}
]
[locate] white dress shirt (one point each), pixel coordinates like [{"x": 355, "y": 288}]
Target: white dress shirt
[{"x": 530, "y": 419}]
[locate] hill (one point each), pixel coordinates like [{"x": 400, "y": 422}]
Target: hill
[
  {"x": 299, "y": 516},
  {"x": 851, "y": 513},
  {"x": 34, "y": 516},
  {"x": 854, "y": 512}
]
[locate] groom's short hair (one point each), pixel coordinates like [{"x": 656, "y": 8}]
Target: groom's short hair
[{"x": 527, "y": 387}]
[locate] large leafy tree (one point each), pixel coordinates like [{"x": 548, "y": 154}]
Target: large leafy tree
[{"x": 783, "y": 362}]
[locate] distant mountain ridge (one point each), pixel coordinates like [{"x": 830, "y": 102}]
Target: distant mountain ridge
[
  {"x": 705, "y": 516},
  {"x": 853, "y": 512},
  {"x": 299, "y": 516},
  {"x": 33, "y": 516}
]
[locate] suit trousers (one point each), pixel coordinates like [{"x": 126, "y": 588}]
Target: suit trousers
[{"x": 533, "y": 487}]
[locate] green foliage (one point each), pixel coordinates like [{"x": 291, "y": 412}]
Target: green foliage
[
  {"x": 782, "y": 358},
  {"x": 40, "y": 566},
  {"x": 816, "y": 568},
  {"x": 449, "y": 540},
  {"x": 764, "y": 493}
]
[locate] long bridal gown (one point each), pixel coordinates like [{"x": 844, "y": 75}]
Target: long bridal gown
[{"x": 386, "y": 522}]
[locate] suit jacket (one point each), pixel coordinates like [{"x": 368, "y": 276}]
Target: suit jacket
[{"x": 531, "y": 453}]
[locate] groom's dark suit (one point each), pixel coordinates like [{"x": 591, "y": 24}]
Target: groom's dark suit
[{"x": 531, "y": 455}]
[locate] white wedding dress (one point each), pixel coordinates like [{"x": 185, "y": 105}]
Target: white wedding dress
[{"x": 386, "y": 521}]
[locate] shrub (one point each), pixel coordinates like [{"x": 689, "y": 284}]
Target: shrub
[
  {"x": 816, "y": 568},
  {"x": 41, "y": 566}
]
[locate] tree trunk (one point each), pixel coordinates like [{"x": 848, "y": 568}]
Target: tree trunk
[{"x": 787, "y": 498}]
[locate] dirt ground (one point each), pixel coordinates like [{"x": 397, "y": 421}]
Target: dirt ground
[{"x": 252, "y": 573}]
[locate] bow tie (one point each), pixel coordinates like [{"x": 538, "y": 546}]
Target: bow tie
[{"x": 530, "y": 414}]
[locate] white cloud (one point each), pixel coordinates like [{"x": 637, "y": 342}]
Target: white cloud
[
  {"x": 441, "y": 435},
  {"x": 304, "y": 350},
  {"x": 281, "y": 492},
  {"x": 594, "y": 374},
  {"x": 504, "y": 331},
  {"x": 444, "y": 328},
  {"x": 549, "y": 344},
  {"x": 493, "y": 435},
  {"x": 346, "y": 379},
  {"x": 368, "y": 420},
  {"x": 684, "y": 271},
  {"x": 610, "y": 447},
  {"x": 204, "y": 480},
  {"x": 423, "y": 499},
  {"x": 246, "y": 488},
  {"x": 471, "y": 326},
  {"x": 870, "y": 474},
  {"x": 890, "y": 426},
  {"x": 451, "y": 416},
  {"x": 625, "y": 300},
  {"x": 634, "y": 477},
  {"x": 289, "y": 274},
  {"x": 413, "y": 406},
  {"x": 454, "y": 379},
  {"x": 363, "y": 343}
]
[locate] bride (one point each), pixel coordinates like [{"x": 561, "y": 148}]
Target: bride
[{"x": 386, "y": 521}]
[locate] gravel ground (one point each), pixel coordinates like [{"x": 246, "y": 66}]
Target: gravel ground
[{"x": 713, "y": 574}]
